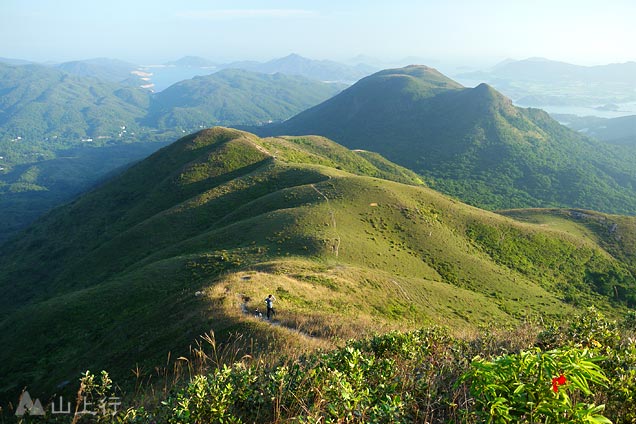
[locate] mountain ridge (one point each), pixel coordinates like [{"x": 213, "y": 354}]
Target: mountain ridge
[{"x": 294, "y": 64}]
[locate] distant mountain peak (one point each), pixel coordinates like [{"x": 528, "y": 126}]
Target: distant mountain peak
[
  {"x": 295, "y": 64},
  {"x": 487, "y": 88},
  {"x": 491, "y": 98},
  {"x": 503, "y": 63},
  {"x": 538, "y": 59},
  {"x": 192, "y": 61},
  {"x": 293, "y": 58}
]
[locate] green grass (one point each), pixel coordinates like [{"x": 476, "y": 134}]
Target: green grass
[{"x": 113, "y": 275}]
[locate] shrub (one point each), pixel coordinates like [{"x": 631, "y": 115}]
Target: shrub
[{"x": 536, "y": 386}]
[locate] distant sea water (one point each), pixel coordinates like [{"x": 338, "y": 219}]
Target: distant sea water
[
  {"x": 164, "y": 76},
  {"x": 623, "y": 109}
]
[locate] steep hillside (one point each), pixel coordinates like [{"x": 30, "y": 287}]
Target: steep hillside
[
  {"x": 29, "y": 190},
  {"x": 471, "y": 142},
  {"x": 235, "y": 97},
  {"x": 185, "y": 241}
]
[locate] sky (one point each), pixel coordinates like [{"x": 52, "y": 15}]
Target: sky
[{"x": 475, "y": 33}]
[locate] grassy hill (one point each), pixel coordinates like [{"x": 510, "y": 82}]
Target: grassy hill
[
  {"x": 349, "y": 243},
  {"x": 472, "y": 143}
]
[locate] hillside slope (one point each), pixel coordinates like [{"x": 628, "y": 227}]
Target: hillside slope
[
  {"x": 471, "y": 143},
  {"x": 38, "y": 102},
  {"x": 347, "y": 242}
]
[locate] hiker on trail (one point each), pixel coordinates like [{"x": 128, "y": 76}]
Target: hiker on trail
[{"x": 269, "y": 301}]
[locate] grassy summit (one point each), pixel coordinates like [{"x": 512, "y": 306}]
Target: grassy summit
[
  {"x": 471, "y": 143},
  {"x": 347, "y": 241}
]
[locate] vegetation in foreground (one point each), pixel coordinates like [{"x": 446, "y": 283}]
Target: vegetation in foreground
[{"x": 581, "y": 373}]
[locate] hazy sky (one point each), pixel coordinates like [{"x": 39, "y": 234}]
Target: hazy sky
[{"x": 478, "y": 31}]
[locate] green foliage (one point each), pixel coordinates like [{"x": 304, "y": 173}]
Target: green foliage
[
  {"x": 214, "y": 398},
  {"x": 100, "y": 393},
  {"x": 523, "y": 388},
  {"x": 367, "y": 381},
  {"x": 419, "y": 376},
  {"x": 424, "y": 375},
  {"x": 592, "y": 330},
  {"x": 595, "y": 333}
]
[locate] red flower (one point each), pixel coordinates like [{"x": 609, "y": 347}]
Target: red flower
[{"x": 558, "y": 381}]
